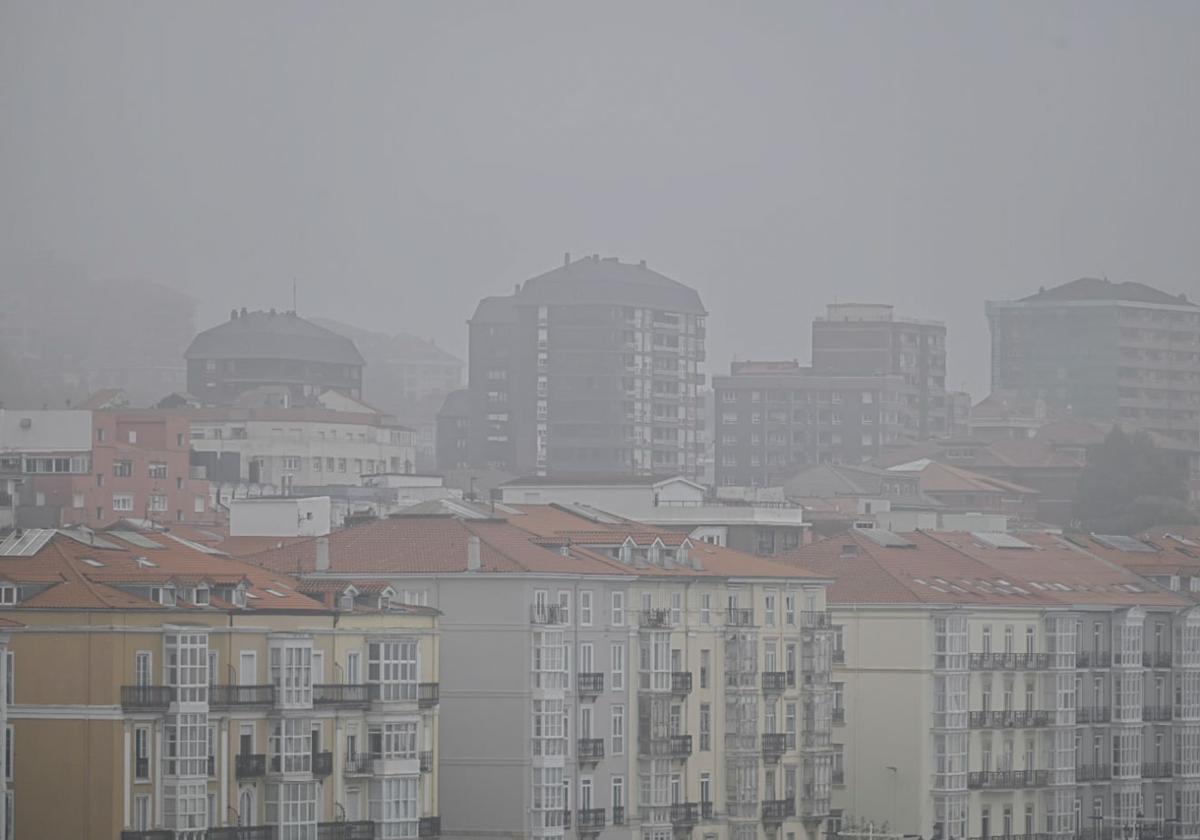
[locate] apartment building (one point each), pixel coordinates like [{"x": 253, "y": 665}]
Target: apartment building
[
  {"x": 762, "y": 526},
  {"x": 591, "y": 368},
  {"x": 607, "y": 680},
  {"x": 866, "y": 339},
  {"x": 992, "y": 685},
  {"x": 254, "y": 350},
  {"x": 1103, "y": 350},
  {"x": 178, "y": 694},
  {"x": 282, "y": 448},
  {"x": 92, "y": 468},
  {"x": 776, "y": 418}
]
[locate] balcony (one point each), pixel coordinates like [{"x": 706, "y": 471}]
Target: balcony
[
  {"x": 706, "y": 810},
  {"x": 428, "y": 695},
  {"x": 739, "y": 617},
  {"x": 590, "y": 749},
  {"x": 774, "y": 680},
  {"x": 839, "y": 715},
  {"x": 342, "y": 696},
  {"x": 322, "y": 764},
  {"x": 675, "y": 746},
  {"x": 1156, "y": 714},
  {"x": 360, "y": 764},
  {"x": 685, "y": 814},
  {"x": 149, "y": 834},
  {"x": 1009, "y": 661},
  {"x": 815, "y": 619},
  {"x": 681, "y": 682},
  {"x": 1008, "y": 720},
  {"x": 1093, "y": 659},
  {"x": 429, "y": 827},
  {"x": 774, "y": 745},
  {"x": 1007, "y": 779},
  {"x": 589, "y": 684},
  {"x": 1157, "y": 659},
  {"x": 425, "y": 761},
  {"x": 618, "y": 815},
  {"x": 242, "y": 832},
  {"x": 1158, "y": 770},
  {"x": 1092, "y": 714},
  {"x": 654, "y": 618},
  {"x": 545, "y": 614},
  {"x": 364, "y": 830},
  {"x": 1093, "y": 772},
  {"x": 237, "y": 696},
  {"x": 146, "y": 697},
  {"x": 589, "y": 820},
  {"x": 778, "y": 810},
  {"x": 250, "y": 766}
]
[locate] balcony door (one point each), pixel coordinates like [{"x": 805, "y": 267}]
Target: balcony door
[
  {"x": 248, "y": 668},
  {"x": 246, "y": 815}
]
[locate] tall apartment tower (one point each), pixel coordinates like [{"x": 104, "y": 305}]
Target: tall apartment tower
[
  {"x": 589, "y": 369},
  {"x": 859, "y": 339},
  {"x": 1103, "y": 350}
]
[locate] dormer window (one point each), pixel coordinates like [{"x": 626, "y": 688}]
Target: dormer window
[
  {"x": 385, "y": 601},
  {"x": 8, "y": 595},
  {"x": 239, "y": 597},
  {"x": 168, "y": 596},
  {"x": 201, "y": 596},
  {"x": 346, "y": 602}
]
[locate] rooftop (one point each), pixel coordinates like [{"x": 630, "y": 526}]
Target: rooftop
[
  {"x": 273, "y": 335},
  {"x": 1097, "y": 289}
]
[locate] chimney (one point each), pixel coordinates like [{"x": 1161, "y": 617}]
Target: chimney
[
  {"x": 474, "y": 562},
  {"x": 323, "y": 554},
  {"x": 642, "y": 263},
  {"x": 232, "y": 314},
  {"x": 566, "y": 257}
]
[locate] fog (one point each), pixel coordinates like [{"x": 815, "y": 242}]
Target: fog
[{"x": 399, "y": 160}]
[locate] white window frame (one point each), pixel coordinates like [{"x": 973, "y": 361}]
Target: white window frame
[
  {"x": 617, "y": 665},
  {"x": 585, "y": 608},
  {"x": 617, "y": 614}
]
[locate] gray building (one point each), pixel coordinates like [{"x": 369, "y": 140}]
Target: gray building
[
  {"x": 591, "y": 368},
  {"x": 857, "y": 339},
  {"x": 1103, "y": 350},
  {"x": 602, "y": 680},
  {"x": 776, "y": 418},
  {"x": 271, "y": 350}
]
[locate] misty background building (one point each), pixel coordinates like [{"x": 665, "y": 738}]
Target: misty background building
[
  {"x": 1103, "y": 350},
  {"x": 591, "y": 368},
  {"x": 272, "y": 349}
]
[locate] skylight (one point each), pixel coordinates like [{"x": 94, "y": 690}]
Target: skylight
[{"x": 92, "y": 562}]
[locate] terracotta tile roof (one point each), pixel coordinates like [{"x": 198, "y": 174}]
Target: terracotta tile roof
[
  {"x": 959, "y": 568},
  {"x": 527, "y": 542},
  {"x": 82, "y": 576},
  {"x": 943, "y": 478}
]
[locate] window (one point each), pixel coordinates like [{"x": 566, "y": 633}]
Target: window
[
  {"x": 585, "y": 608},
  {"x": 548, "y": 797},
  {"x": 132, "y": 436},
  {"x": 618, "y": 730},
  {"x": 10, "y": 694},
  {"x": 394, "y": 740},
  {"x": 185, "y": 745},
  {"x": 618, "y": 609},
  {"x": 158, "y": 503},
  {"x": 157, "y": 469},
  {"x": 142, "y": 668},
  {"x": 141, "y": 753},
  {"x": 705, "y": 660},
  {"x": 548, "y": 732},
  {"x": 393, "y": 667},
  {"x": 769, "y": 600},
  {"x": 293, "y": 807},
  {"x": 618, "y": 665},
  {"x": 291, "y": 672},
  {"x": 676, "y": 608},
  {"x": 122, "y": 502},
  {"x": 198, "y": 504},
  {"x": 290, "y": 463},
  {"x": 789, "y": 609},
  {"x": 186, "y": 666},
  {"x": 706, "y": 608},
  {"x": 8, "y": 595},
  {"x": 705, "y": 727},
  {"x": 564, "y": 606},
  {"x": 122, "y": 469}
]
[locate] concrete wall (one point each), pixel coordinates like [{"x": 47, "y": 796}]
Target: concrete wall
[
  {"x": 296, "y": 517},
  {"x": 48, "y": 431}
]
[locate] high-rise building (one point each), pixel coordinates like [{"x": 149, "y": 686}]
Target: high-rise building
[
  {"x": 1103, "y": 350},
  {"x": 856, "y": 339},
  {"x": 271, "y": 350},
  {"x": 591, "y": 368},
  {"x": 773, "y": 419}
]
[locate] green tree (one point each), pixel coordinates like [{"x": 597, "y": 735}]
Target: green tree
[{"x": 1130, "y": 485}]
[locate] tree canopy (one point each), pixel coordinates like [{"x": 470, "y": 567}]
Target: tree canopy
[{"x": 1130, "y": 485}]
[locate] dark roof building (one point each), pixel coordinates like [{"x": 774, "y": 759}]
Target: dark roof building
[
  {"x": 260, "y": 349},
  {"x": 1102, "y": 350},
  {"x": 591, "y": 368}
]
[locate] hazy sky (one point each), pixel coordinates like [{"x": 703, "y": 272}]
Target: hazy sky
[{"x": 401, "y": 159}]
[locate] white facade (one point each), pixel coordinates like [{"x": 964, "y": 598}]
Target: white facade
[
  {"x": 282, "y": 452},
  {"x": 280, "y": 517},
  {"x": 45, "y": 431}
]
